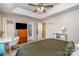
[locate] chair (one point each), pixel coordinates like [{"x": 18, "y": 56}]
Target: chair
[
  {"x": 14, "y": 41},
  {"x": 12, "y": 44},
  {"x": 2, "y": 49}
]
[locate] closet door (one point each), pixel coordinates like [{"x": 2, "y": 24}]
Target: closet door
[{"x": 22, "y": 33}]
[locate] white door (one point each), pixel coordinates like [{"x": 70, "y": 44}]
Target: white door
[
  {"x": 39, "y": 30},
  {"x": 8, "y": 27}
]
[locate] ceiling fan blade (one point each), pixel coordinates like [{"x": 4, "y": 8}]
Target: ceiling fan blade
[
  {"x": 35, "y": 10},
  {"x": 32, "y": 4},
  {"x": 48, "y": 6},
  {"x": 44, "y": 11}
]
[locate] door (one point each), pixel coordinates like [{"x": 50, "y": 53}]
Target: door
[
  {"x": 8, "y": 27},
  {"x": 22, "y": 33},
  {"x": 43, "y": 30}
]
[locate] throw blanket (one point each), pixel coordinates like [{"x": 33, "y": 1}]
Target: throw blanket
[{"x": 48, "y": 47}]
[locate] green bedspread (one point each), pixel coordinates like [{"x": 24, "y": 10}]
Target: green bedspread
[{"x": 48, "y": 47}]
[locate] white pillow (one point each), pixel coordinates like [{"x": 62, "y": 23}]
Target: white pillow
[
  {"x": 76, "y": 50},
  {"x": 76, "y": 47},
  {"x": 75, "y": 53}
]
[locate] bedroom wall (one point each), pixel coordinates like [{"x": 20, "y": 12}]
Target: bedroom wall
[
  {"x": 23, "y": 19},
  {"x": 70, "y": 20}
]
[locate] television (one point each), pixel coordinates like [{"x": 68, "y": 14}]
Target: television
[{"x": 21, "y": 26}]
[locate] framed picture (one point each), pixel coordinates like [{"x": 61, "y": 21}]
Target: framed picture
[{"x": 30, "y": 29}]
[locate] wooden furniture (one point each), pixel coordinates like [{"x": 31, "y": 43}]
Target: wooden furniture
[
  {"x": 60, "y": 36},
  {"x": 22, "y": 33},
  {"x": 14, "y": 42}
]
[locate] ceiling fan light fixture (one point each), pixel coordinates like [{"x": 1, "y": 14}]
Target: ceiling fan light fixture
[
  {"x": 41, "y": 7},
  {"x": 38, "y": 8},
  {"x": 41, "y": 10}
]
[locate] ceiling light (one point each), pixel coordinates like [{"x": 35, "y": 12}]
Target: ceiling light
[
  {"x": 38, "y": 9},
  {"x": 41, "y": 9}
]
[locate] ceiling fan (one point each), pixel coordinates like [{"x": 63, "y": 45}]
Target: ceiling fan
[{"x": 40, "y": 7}]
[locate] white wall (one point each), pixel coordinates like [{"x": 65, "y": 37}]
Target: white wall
[
  {"x": 59, "y": 8},
  {"x": 34, "y": 23},
  {"x": 27, "y": 20},
  {"x": 69, "y": 20}
]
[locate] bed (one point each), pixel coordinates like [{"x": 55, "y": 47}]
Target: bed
[{"x": 47, "y": 47}]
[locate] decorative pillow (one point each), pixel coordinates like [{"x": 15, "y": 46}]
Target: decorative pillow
[
  {"x": 2, "y": 49},
  {"x": 69, "y": 49},
  {"x": 75, "y": 53}
]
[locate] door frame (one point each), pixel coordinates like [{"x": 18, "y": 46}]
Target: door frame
[{"x": 43, "y": 30}]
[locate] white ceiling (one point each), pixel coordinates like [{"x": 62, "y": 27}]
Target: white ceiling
[
  {"x": 7, "y": 7},
  {"x": 32, "y": 8},
  {"x": 26, "y": 10}
]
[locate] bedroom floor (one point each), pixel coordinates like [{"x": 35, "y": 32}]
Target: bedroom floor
[{"x": 13, "y": 53}]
